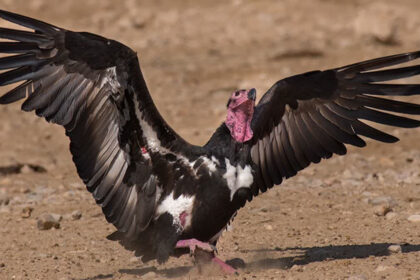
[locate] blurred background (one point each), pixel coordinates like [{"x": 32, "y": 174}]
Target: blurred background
[{"x": 193, "y": 55}]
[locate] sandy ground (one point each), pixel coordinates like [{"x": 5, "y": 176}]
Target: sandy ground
[{"x": 319, "y": 225}]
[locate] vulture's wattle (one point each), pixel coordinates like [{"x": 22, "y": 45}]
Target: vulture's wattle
[{"x": 162, "y": 193}]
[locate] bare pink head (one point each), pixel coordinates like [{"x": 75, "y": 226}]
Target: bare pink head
[{"x": 240, "y": 111}]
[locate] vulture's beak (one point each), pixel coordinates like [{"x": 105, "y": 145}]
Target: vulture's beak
[{"x": 252, "y": 94}]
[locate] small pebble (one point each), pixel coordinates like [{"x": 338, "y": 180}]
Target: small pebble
[
  {"x": 268, "y": 227},
  {"x": 382, "y": 268},
  {"x": 394, "y": 249},
  {"x": 48, "y": 221},
  {"x": 296, "y": 267},
  {"x": 414, "y": 218},
  {"x": 134, "y": 260},
  {"x": 2, "y": 265},
  {"x": 76, "y": 215},
  {"x": 386, "y": 200},
  {"x": 57, "y": 217},
  {"x": 25, "y": 190},
  {"x": 26, "y": 212},
  {"x": 149, "y": 275},
  {"x": 390, "y": 215},
  {"x": 4, "y": 199},
  {"x": 381, "y": 210}
]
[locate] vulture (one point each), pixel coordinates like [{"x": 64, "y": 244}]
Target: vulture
[{"x": 166, "y": 196}]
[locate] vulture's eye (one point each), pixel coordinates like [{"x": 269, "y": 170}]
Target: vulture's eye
[{"x": 237, "y": 93}]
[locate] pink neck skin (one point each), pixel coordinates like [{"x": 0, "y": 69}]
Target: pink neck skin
[{"x": 238, "y": 121}]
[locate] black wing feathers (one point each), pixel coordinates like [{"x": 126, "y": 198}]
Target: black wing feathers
[
  {"x": 30, "y": 23},
  {"x": 79, "y": 80},
  {"x": 307, "y": 117}
]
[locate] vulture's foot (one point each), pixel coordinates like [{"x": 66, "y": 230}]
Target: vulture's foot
[
  {"x": 193, "y": 244},
  {"x": 204, "y": 253}
]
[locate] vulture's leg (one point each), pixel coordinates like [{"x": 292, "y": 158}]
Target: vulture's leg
[{"x": 204, "y": 253}]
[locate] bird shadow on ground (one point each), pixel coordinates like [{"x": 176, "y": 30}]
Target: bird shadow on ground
[
  {"x": 168, "y": 272},
  {"x": 306, "y": 255},
  {"x": 297, "y": 256}
]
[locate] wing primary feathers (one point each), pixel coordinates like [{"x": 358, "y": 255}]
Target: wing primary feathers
[
  {"x": 16, "y": 75},
  {"x": 386, "y": 89},
  {"x": 18, "y": 47},
  {"x": 335, "y": 132},
  {"x": 25, "y": 36},
  {"x": 16, "y": 94},
  {"x": 19, "y": 60},
  {"x": 386, "y": 118},
  {"x": 388, "y": 75},
  {"x": 388, "y": 105},
  {"x": 346, "y": 113},
  {"x": 338, "y": 120},
  {"x": 368, "y": 131},
  {"x": 379, "y": 62},
  {"x": 29, "y": 22}
]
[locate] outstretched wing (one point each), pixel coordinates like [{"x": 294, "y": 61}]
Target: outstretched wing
[
  {"x": 307, "y": 117},
  {"x": 94, "y": 88}
]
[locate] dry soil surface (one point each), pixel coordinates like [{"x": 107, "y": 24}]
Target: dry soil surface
[{"x": 329, "y": 222}]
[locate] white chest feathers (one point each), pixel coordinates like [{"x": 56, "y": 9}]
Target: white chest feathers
[
  {"x": 237, "y": 177},
  {"x": 180, "y": 208}
]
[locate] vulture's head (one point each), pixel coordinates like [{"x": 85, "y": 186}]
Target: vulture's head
[{"x": 240, "y": 111}]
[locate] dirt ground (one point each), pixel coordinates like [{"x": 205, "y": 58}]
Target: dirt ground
[{"x": 328, "y": 222}]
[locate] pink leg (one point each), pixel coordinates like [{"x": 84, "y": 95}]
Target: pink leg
[
  {"x": 224, "y": 266},
  {"x": 193, "y": 244}
]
